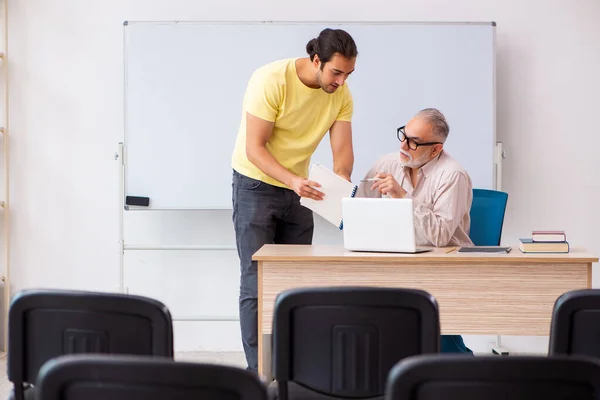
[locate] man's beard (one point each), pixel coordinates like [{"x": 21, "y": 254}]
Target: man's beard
[
  {"x": 414, "y": 163},
  {"x": 326, "y": 88}
]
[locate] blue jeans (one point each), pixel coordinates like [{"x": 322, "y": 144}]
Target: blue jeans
[
  {"x": 454, "y": 344},
  {"x": 262, "y": 214}
]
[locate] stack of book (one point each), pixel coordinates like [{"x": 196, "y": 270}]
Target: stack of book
[{"x": 545, "y": 242}]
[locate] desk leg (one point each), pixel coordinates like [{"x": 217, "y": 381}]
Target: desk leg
[
  {"x": 267, "y": 367},
  {"x": 260, "y": 317},
  {"x": 264, "y": 340}
]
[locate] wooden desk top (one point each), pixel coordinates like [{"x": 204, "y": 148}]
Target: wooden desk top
[{"x": 274, "y": 252}]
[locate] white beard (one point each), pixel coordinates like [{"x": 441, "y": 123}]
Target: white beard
[{"x": 414, "y": 163}]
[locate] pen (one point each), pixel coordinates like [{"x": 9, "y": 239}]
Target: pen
[
  {"x": 370, "y": 180},
  {"x": 450, "y": 250}
]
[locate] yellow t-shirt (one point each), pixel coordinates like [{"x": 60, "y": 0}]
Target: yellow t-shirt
[{"x": 301, "y": 117}]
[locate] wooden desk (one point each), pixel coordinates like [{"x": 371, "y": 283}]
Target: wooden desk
[{"x": 482, "y": 294}]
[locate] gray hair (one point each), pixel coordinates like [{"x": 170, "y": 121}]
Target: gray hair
[{"x": 437, "y": 120}]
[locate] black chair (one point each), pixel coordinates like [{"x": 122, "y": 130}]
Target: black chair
[
  {"x": 455, "y": 377},
  {"x": 119, "y": 377},
  {"x": 340, "y": 342},
  {"x": 43, "y": 324},
  {"x": 575, "y": 326}
]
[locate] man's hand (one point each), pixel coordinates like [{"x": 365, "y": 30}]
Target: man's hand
[
  {"x": 388, "y": 185},
  {"x": 303, "y": 188}
]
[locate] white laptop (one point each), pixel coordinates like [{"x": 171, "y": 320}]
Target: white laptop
[{"x": 383, "y": 225}]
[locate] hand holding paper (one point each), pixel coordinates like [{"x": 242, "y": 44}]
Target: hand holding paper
[
  {"x": 335, "y": 188},
  {"x": 306, "y": 188}
]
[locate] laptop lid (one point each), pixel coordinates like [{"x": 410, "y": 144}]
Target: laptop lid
[{"x": 378, "y": 224}]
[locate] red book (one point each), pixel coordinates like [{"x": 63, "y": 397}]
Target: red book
[{"x": 548, "y": 236}]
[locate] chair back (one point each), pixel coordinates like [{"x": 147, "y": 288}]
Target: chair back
[
  {"x": 575, "y": 326},
  {"x": 44, "y": 324},
  {"x": 487, "y": 217},
  {"x": 342, "y": 341},
  {"x": 456, "y": 377},
  {"x": 121, "y": 377}
]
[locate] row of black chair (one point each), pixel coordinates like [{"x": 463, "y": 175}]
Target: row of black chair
[
  {"x": 327, "y": 342},
  {"x": 356, "y": 335},
  {"x": 423, "y": 377}
]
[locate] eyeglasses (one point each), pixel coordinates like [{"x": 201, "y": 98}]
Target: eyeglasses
[{"x": 411, "y": 142}]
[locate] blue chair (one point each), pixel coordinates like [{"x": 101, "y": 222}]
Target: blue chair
[{"x": 487, "y": 218}]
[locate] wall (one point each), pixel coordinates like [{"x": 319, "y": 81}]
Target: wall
[
  {"x": 66, "y": 110},
  {"x": 3, "y": 181}
]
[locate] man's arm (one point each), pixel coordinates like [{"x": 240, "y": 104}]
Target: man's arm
[
  {"x": 340, "y": 136},
  {"x": 258, "y": 132},
  {"x": 438, "y": 222}
]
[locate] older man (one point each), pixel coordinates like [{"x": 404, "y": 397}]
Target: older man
[{"x": 440, "y": 188}]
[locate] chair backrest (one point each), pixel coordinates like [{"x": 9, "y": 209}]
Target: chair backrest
[
  {"x": 487, "y": 217},
  {"x": 342, "y": 341},
  {"x": 575, "y": 326},
  {"x": 47, "y": 323},
  {"x": 456, "y": 377},
  {"x": 119, "y": 377}
]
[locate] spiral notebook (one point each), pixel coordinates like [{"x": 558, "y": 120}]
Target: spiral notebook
[{"x": 335, "y": 189}]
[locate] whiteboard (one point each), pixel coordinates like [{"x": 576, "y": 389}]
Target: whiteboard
[{"x": 185, "y": 82}]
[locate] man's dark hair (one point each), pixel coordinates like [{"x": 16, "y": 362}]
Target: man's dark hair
[{"x": 329, "y": 42}]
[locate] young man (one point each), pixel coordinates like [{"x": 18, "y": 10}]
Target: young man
[
  {"x": 440, "y": 188},
  {"x": 288, "y": 107}
]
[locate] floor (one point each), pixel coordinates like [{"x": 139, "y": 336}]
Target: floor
[
  {"x": 236, "y": 359},
  {"x": 5, "y": 385}
]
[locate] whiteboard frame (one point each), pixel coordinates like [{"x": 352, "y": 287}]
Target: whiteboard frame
[
  {"x": 122, "y": 145},
  {"x": 120, "y": 154}
]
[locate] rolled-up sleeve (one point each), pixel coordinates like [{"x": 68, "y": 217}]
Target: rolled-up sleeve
[{"x": 437, "y": 223}]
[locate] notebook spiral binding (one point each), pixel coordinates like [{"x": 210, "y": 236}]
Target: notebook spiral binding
[{"x": 351, "y": 195}]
